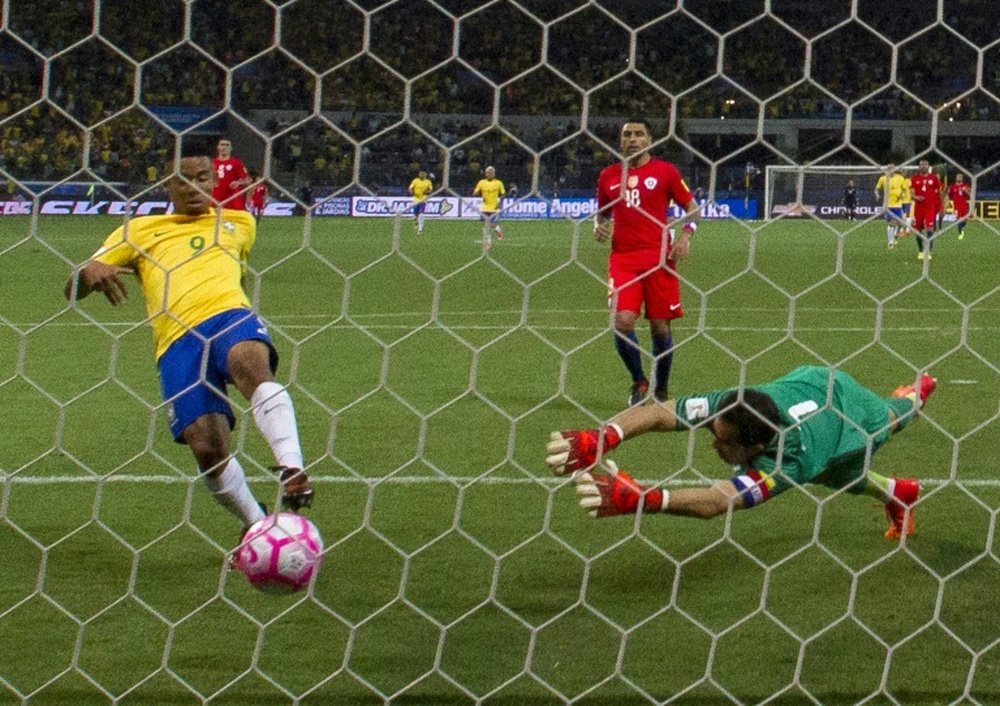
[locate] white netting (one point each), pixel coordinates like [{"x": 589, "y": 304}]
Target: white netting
[{"x": 456, "y": 570}]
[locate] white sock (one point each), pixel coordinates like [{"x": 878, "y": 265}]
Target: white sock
[
  {"x": 230, "y": 490},
  {"x": 275, "y": 417}
]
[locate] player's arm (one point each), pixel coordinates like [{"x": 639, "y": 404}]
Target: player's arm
[
  {"x": 681, "y": 247},
  {"x": 610, "y": 492},
  {"x": 96, "y": 276},
  {"x": 579, "y": 449}
]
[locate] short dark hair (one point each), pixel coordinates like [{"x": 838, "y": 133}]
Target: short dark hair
[
  {"x": 754, "y": 415},
  {"x": 641, "y": 121}
]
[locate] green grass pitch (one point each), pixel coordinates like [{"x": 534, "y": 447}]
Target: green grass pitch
[{"x": 426, "y": 379}]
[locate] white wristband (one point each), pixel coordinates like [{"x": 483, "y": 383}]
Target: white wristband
[
  {"x": 690, "y": 226},
  {"x": 666, "y": 500}
]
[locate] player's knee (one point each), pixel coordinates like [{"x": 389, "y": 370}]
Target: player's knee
[
  {"x": 210, "y": 449},
  {"x": 625, "y": 322}
]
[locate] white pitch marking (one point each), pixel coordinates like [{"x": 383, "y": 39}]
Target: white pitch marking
[{"x": 409, "y": 480}]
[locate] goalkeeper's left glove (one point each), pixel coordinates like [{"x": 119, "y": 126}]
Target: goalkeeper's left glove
[
  {"x": 571, "y": 451},
  {"x": 616, "y": 493}
]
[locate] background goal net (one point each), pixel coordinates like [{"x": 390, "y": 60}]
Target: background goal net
[{"x": 427, "y": 374}]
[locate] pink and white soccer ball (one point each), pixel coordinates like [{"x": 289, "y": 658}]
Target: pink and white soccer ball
[{"x": 280, "y": 553}]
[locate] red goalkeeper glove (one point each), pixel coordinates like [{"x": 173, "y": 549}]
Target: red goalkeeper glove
[
  {"x": 571, "y": 451},
  {"x": 616, "y": 493}
]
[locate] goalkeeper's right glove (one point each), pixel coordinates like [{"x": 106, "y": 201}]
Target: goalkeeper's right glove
[
  {"x": 571, "y": 451},
  {"x": 616, "y": 493}
]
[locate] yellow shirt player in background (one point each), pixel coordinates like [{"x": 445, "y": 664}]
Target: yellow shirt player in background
[
  {"x": 907, "y": 206},
  {"x": 891, "y": 190},
  {"x": 491, "y": 189},
  {"x": 420, "y": 188},
  {"x": 189, "y": 265}
]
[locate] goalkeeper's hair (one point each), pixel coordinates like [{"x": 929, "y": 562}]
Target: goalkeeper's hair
[{"x": 754, "y": 414}]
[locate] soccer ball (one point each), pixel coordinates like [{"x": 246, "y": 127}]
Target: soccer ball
[{"x": 280, "y": 553}]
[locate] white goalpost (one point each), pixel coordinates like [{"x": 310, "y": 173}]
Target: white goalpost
[{"x": 818, "y": 190}]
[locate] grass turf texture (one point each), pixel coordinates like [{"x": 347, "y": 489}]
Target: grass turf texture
[{"x": 426, "y": 379}]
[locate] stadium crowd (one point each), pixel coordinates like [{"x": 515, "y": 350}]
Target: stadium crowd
[{"x": 334, "y": 111}]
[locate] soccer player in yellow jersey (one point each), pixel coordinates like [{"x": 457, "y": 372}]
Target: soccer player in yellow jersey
[
  {"x": 420, "y": 188},
  {"x": 892, "y": 191},
  {"x": 189, "y": 265},
  {"x": 491, "y": 189}
]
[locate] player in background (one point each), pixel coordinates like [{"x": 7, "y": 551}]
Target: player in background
[
  {"x": 907, "y": 207},
  {"x": 635, "y": 196},
  {"x": 813, "y": 425},
  {"x": 850, "y": 199},
  {"x": 189, "y": 266},
  {"x": 420, "y": 189},
  {"x": 960, "y": 194},
  {"x": 491, "y": 190},
  {"x": 231, "y": 177},
  {"x": 926, "y": 188},
  {"x": 258, "y": 195},
  {"x": 890, "y": 190}
]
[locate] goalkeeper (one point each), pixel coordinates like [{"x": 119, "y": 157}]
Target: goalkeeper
[{"x": 810, "y": 426}]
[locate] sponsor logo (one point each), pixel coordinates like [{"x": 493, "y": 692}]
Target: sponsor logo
[
  {"x": 572, "y": 208},
  {"x": 15, "y": 208},
  {"x": 633, "y": 181},
  {"x": 793, "y": 210}
]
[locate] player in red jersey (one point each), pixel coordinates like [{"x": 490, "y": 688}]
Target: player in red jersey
[
  {"x": 258, "y": 196},
  {"x": 231, "y": 177},
  {"x": 959, "y": 194},
  {"x": 926, "y": 190},
  {"x": 635, "y": 196}
]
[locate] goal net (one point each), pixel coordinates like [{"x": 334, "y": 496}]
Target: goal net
[
  {"x": 819, "y": 190},
  {"x": 427, "y": 371}
]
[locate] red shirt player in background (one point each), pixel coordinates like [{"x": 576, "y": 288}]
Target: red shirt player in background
[
  {"x": 258, "y": 196},
  {"x": 231, "y": 177},
  {"x": 925, "y": 188},
  {"x": 959, "y": 194},
  {"x": 635, "y": 196}
]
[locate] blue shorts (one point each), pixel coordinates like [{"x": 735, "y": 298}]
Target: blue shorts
[
  {"x": 418, "y": 208},
  {"x": 489, "y": 216},
  {"x": 194, "y": 371},
  {"x": 896, "y": 214}
]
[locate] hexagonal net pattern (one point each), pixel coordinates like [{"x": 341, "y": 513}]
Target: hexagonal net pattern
[{"x": 428, "y": 361}]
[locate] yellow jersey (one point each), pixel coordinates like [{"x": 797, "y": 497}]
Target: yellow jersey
[
  {"x": 491, "y": 190},
  {"x": 189, "y": 267},
  {"x": 421, "y": 189},
  {"x": 895, "y": 192}
]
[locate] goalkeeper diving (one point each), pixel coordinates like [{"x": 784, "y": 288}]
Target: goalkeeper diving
[{"x": 813, "y": 425}]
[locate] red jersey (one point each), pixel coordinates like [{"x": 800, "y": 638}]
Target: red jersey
[
  {"x": 959, "y": 194},
  {"x": 257, "y": 197},
  {"x": 228, "y": 171},
  {"x": 639, "y": 205},
  {"x": 929, "y": 187}
]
